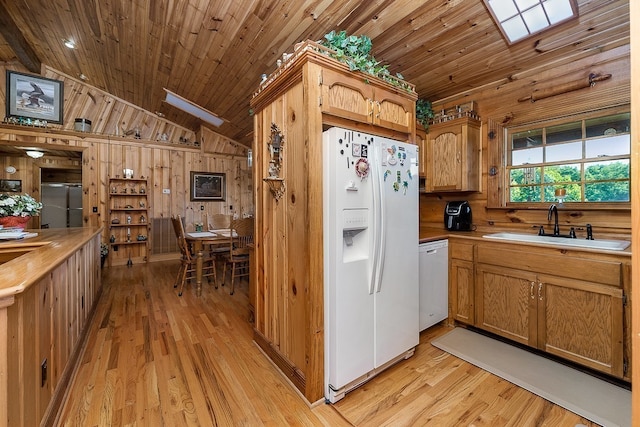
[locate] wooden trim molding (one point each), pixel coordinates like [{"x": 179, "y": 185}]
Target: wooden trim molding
[{"x": 295, "y": 375}]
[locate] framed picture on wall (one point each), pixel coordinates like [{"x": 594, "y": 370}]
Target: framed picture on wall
[
  {"x": 10, "y": 186},
  {"x": 34, "y": 97},
  {"x": 208, "y": 186}
]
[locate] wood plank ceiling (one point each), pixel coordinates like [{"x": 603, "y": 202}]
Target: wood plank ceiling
[{"x": 213, "y": 52}]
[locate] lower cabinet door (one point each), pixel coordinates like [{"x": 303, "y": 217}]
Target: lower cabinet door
[
  {"x": 582, "y": 322},
  {"x": 506, "y": 301},
  {"x": 461, "y": 291}
]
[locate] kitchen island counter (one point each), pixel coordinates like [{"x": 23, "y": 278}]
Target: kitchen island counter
[
  {"x": 50, "y": 284},
  {"x": 33, "y": 257}
]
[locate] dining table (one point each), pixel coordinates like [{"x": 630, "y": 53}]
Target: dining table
[{"x": 198, "y": 240}]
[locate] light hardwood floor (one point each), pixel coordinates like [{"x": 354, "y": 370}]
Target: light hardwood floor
[{"x": 156, "y": 359}]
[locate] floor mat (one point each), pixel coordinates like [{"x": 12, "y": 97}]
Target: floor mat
[{"x": 583, "y": 394}]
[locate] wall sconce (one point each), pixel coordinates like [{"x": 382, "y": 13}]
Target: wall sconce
[
  {"x": 276, "y": 186},
  {"x": 35, "y": 154},
  {"x": 249, "y": 158},
  {"x": 276, "y": 145}
]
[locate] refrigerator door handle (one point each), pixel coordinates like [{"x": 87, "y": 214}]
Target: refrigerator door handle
[
  {"x": 376, "y": 232},
  {"x": 380, "y": 226},
  {"x": 378, "y": 221}
]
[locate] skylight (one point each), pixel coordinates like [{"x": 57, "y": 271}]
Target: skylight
[
  {"x": 191, "y": 108},
  {"x": 519, "y": 19}
]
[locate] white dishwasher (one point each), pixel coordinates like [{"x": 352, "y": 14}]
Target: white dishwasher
[{"x": 434, "y": 279}]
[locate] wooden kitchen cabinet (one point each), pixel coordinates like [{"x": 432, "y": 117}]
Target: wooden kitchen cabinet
[
  {"x": 542, "y": 300},
  {"x": 506, "y": 302},
  {"x": 453, "y": 156},
  {"x": 308, "y": 94},
  {"x": 349, "y": 96},
  {"x": 461, "y": 282}
]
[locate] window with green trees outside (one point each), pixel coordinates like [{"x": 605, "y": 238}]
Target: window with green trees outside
[{"x": 580, "y": 161}]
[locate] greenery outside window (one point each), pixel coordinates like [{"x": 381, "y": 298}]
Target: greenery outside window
[{"x": 581, "y": 161}]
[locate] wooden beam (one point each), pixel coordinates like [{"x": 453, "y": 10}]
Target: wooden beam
[{"x": 12, "y": 34}]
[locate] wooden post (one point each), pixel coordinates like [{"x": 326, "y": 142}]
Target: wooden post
[{"x": 4, "y": 381}]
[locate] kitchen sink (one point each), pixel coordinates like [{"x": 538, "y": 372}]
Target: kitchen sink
[{"x": 612, "y": 245}]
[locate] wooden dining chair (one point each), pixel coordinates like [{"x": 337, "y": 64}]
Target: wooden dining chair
[
  {"x": 217, "y": 221},
  {"x": 188, "y": 259},
  {"x": 238, "y": 256}
]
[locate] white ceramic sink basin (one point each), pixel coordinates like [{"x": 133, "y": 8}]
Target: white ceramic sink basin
[{"x": 612, "y": 245}]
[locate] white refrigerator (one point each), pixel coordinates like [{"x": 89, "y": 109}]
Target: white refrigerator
[{"x": 371, "y": 284}]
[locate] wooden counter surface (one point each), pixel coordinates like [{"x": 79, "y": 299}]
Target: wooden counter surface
[{"x": 47, "y": 250}]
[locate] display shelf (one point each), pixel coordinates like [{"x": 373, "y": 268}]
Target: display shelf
[{"x": 129, "y": 207}]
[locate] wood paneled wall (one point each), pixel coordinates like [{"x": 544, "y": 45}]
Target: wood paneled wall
[
  {"x": 105, "y": 153},
  {"x": 499, "y": 108}
]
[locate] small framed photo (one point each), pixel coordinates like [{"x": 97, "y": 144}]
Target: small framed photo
[
  {"x": 34, "y": 97},
  {"x": 10, "y": 186},
  {"x": 208, "y": 186}
]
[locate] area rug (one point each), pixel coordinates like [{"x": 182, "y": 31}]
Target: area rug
[{"x": 590, "y": 397}]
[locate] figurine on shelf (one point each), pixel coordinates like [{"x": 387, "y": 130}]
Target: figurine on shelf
[
  {"x": 128, "y": 219},
  {"x": 142, "y": 219},
  {"x": 142, "y": 190}
]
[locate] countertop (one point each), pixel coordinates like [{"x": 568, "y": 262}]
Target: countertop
[
  {"x": 430, "y": 234},
  {"x": 43, "y": 253}
]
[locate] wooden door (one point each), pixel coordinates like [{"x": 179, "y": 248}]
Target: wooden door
[
  {"x": 345, "y": 96},
  {"x": 444, "y": 170},
  {"x": 461, "y": 291},
  {"x": 393, "y": 111},
  {"x": 506, "y": 301},
  {"x": 581, "y": 321}
]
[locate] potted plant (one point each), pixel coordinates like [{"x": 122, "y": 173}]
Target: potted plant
[
  {"x": 424, "y": 113},
  {"x": 104, "y": 251},
  {"x": 355, "y": 51},
  {"x": 17, "y": 209}
]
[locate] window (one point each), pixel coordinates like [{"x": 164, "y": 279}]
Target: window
[{"x": 581, "y": 161}]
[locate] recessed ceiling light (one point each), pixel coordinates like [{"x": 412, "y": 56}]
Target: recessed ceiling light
[
  {"x": 519, "y": 19},
  {"x": 83, "y": 77},
  {"x": 69, "y": 43}
]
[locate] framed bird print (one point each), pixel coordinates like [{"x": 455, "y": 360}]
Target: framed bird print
[{"x": 34, "y": 98}]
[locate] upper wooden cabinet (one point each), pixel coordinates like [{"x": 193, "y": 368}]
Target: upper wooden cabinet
[
  {"x": 453, "y": 156},
  {"x": 349, "y": 96}
]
